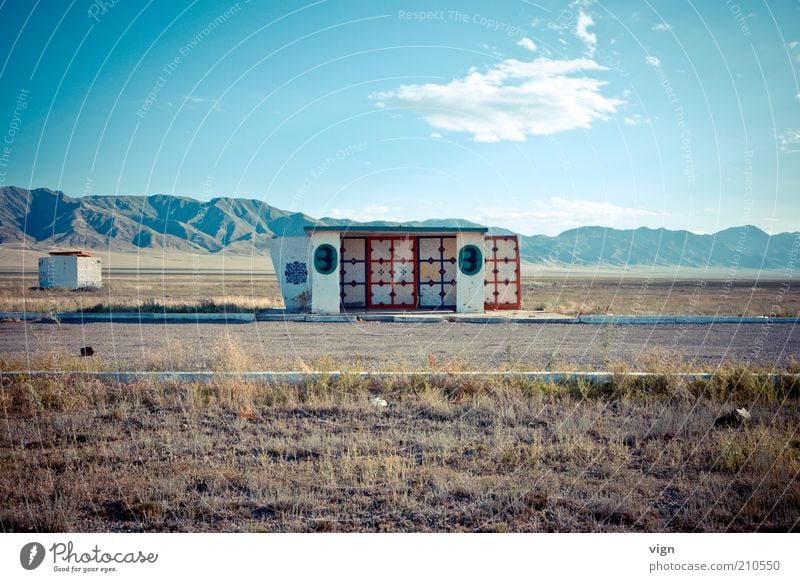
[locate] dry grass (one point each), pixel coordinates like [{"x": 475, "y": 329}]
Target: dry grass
[
  {"x": 181, "y": 291},
  {"x": 228, "y": 354},
  {"x": 81, "y": 455},
  {"x": 176, "y": 292},
  {"x": 609, "y": 294},
  {"x": 446, "y": 455}
]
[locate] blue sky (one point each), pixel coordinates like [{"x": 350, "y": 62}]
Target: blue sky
[{"x": 536, "y": 116}]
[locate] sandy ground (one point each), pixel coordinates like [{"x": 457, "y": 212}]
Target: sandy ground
[
  {"x": 393, "y": 346},
  {"x": 14, "y": 259}
]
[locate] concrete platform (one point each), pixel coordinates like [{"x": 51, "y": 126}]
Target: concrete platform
[
  {"x": 310, "y": 317},
  {"x": 155, "y": 317},
  {"x": 126, "y": 317},
  {"x": 438, "y": 316},
  {"x": 515, "y": 317}
]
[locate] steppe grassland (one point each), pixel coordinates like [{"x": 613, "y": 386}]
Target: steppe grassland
[
  {"x": 247, "y": 291},
  {"x": 447, "y": 455},
  {"x": 85, "y": 455}
]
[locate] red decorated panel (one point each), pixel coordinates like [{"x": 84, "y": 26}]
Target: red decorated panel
[
  {"x": 437, "y": 271},
  {"x": 353, "y": 272},
  {"x": 502, "y": 285},
  {"x": 391, "y": 274}
]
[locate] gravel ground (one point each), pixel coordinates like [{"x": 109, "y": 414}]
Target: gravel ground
[{"x": 394, "y": 346}]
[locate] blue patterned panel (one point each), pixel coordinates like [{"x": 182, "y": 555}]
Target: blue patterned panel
[{"x": 296, "y": 273}]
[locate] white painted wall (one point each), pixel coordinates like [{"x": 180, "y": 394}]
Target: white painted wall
[
  {"x": 70, "y": 272},
  {"x": 90, "y": 272},
  {"x": 290, "y": 250},
  {"x": 325, "y": 288},
  {"x": 469, "y": 289}
]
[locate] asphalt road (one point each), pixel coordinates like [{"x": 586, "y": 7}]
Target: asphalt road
[{"x": 394, "y": 346}]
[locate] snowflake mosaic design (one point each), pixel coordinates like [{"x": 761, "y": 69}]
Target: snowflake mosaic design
[{"x": 296, "y": 273}]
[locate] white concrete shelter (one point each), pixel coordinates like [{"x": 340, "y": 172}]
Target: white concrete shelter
[{"x": 336, "y": 268}]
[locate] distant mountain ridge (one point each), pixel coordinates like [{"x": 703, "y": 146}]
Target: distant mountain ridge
[{"x": 132, "y": 223}]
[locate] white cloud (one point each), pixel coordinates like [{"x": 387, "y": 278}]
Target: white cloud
[
  {"x": 652, "y": 61},
  {"x": 582, "y": 32},
  {"x": 512, "y": 100},
  {"x": 636, "y": 119},
  {"x": 789, "y": 141},
  {"x": 367, "y": 214},
  {"x": 435, "y": 135},
  {"x": 527, "y": 43},
  {"x": 558, "y": 214},
  {"x": 662, "y": 26},
  {"x": 198, "y": 100},
  {"x": 794, "y": 44},
  {"x": 492, "y": 49}
]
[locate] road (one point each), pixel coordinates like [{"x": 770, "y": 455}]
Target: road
[{"x": 394, "y": 346}]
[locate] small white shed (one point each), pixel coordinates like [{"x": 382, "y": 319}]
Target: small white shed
[{"x": 70, "y": 270}]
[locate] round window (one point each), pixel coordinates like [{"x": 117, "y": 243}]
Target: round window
[
  {"x": 325, "y": 259},
  {"x": 470, "y": 259}
]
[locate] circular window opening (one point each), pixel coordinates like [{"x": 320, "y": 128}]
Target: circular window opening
[
  {"x": 470, "y": 260},
  {"x": 326, "y": 259}
]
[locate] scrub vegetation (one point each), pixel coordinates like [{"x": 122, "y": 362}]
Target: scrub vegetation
[
  {"x": 79, "y": 454},
  {"x": 149, "y": 292},
  {"x": 179, "y": 291},
  {"x": 653, "y": 296}
]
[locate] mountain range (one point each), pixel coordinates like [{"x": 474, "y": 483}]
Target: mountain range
[{"x": 43, "y": 217}]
